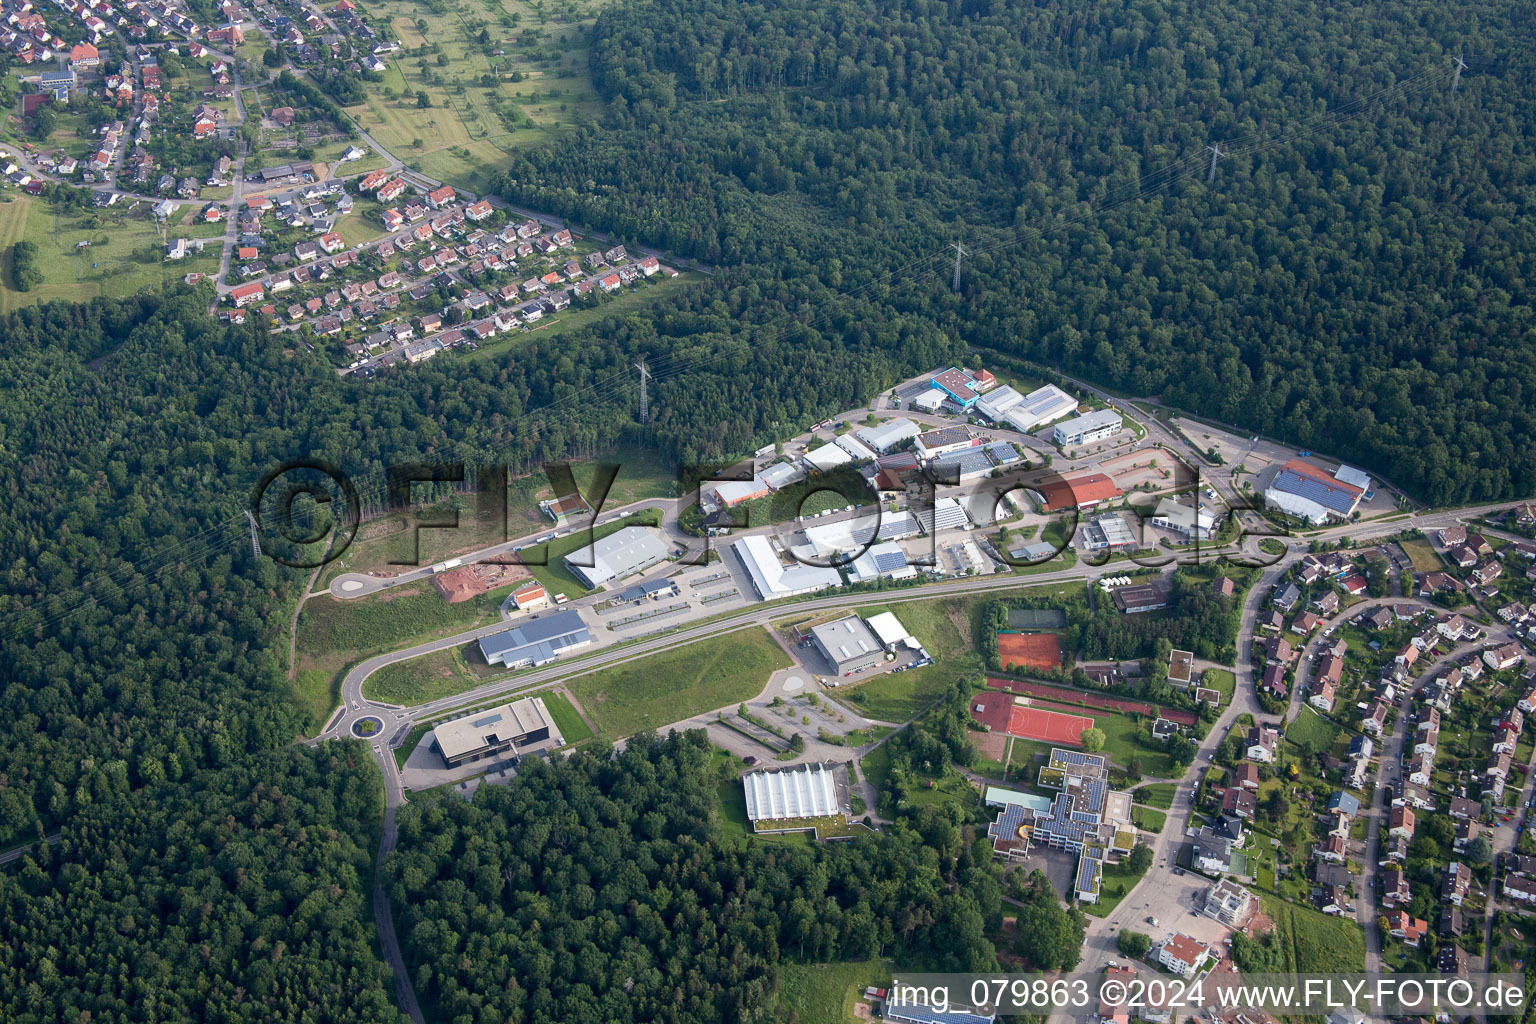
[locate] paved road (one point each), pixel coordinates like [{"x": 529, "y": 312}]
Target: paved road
[{"x": 15, "y": 853}]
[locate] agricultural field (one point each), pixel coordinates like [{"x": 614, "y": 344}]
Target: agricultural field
[
  {"x": 125, "y": 254},
  {"x": 473, "y": 82},
  {"x": 660, "y": 689}
]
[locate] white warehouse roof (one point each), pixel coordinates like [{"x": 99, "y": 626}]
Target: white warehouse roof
[
  {"x": 928, "y": 401},
  {"x": 853, "y": 446},
  {"x": 889, "y": 434},
  {"x": 1041, "y": 406},
  {"x": 773, "y": 579},
  {"x": 994, "y": 405},
  {"x": 827, "y": 457},
  {"x": 808, "y": 792}
]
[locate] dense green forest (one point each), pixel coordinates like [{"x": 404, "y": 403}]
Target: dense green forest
[
  {"x": 599, "y": 889},
  {"x": 238, "y": 896},
  {"x": 1357, "y": 279}
]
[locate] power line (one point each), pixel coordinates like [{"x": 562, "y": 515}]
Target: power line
[{"x": 373, "y": 490}]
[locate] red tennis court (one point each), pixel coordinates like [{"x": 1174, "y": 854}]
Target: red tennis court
[{"x": 1049, "y": 726}]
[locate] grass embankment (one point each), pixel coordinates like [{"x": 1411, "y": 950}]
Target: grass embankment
[{"x": 659, "y": 690}]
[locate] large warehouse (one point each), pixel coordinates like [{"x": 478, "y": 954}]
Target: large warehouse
[
  {"x": 771, "y": 578},
  {"x": 630, "y": 550},
  {"x": 1040, "y": 408},
  {"x": 848, "y": 645},
  {"x": 806, "y": 791},
  {"x": 487, "y": 733},
  {"x": 1312, "y": 493},
  {"x": 537, "y": 641},
  {"x": 885, "y": 436}
]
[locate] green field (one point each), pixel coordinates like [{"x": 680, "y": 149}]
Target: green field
[
  {"x": 126, "y": 254},
  {"x": 1147, "y": 819},
  {"x": 1312, "y": 942},
  {"x": 477, "y": 115},
  {"x": 567, "y": 720},
  {"x": 658, "y": 690},
  {"x": 355, "y": 229},
  {"x": 1422, "y": 555},
  {"x": 319, "y": 691},
  {"x": 1118, "y": 882},
  {"x": 1311, "y": 732},
  {"x": 333, "y": 635},
  {"x": 1155, "y": 794},
  {"x": 826, "y": 993},
  {"x": 419, "y": 680}
]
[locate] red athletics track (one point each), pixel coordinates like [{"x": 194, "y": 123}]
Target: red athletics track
[{"x": 1050, "y": 726}]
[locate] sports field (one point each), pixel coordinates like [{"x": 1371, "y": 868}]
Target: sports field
[
  {"x": 1047, "y": 726},
  {"x": 1028, "y": 650}
]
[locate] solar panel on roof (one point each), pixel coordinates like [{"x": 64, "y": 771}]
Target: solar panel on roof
[{"x": 887, "y": 561}]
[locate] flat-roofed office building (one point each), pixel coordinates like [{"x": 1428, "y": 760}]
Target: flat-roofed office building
[{"x": 488, "y": 733}]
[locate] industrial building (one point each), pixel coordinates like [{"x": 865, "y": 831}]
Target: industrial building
[
  {"x": 848, "y": 645},
  {"x": 931, "y": 444},
  {"x": 1190, "y": 521},
  {"x": 886, "y": 561},
  {"x": 927, "y": 401},
  {"x": 1142, "y": 597},
  {"x": 961, "y": 467},
  {"x": 488, "y": 733},
  {"x": 858, "y": 450},
  {"x": 946, "y": 514},
  {"x": 537, "y": 641},
  {"x": 1108, "y": 533},
  {"x": 1308, "y": 492},
  {"x": 1080, "y": 492},
  {"x": 996, "y": 404},
  {"x": 805, "y": 791},
  {"x": 1085, "y": 429},
  {"x": 884, "y": 436},
  {"x": 781, "y": 474},
  {"x": 828, "y": 456},
  {"x": 624, "y": 553},
  {"x": 771, "y": 578},
  {"x": 1040, "y": 408},
  {"x": 959, "y": 386},
  {"x": 726, "y": 493}
]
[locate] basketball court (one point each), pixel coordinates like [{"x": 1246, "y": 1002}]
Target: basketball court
[{"x": 1048, "y": 726}]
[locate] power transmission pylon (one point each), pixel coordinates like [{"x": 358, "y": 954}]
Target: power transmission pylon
[
  {"x": 959, "y": 254},
  {"x": 645, "y": 409},
  {"x": 1461, "y": 66},
  {"x": 1216, "y": 154},
  {"x": 255, "y": 542}
]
